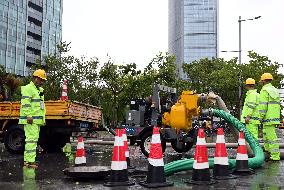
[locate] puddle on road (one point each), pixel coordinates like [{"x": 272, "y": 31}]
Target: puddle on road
[{"x": 50, "y": 176}]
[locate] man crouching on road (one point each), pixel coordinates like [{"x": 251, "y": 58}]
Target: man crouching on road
[{"x": 32, "y": 115}]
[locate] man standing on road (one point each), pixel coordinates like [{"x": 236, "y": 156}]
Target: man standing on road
[
  {"x": 269, "y": 109},
  {"x": 32, "y": 115},
  {"x": 250, "y": 113}
]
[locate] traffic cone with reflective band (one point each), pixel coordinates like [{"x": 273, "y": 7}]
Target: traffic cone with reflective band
[
  {"x": 242, "y": 157},
  {"x": 156, "y": 175},
  {"x": 118, "y": 173},
  {"x": 201, "y": 172},
  {"x": 64, "y": 96},
  {"x": 124, "y": 137},
  {"x": 221, "y": 162},
  {"x": 80, "y": 159}
]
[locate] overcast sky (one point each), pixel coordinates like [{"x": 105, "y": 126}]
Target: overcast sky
[{"x": 137, "y": 30}]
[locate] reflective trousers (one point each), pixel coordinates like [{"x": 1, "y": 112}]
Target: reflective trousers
[
  {"x": 270, "y": 140},
  {"x": 29, "y": 179},
  {"x": 32, "y": 135},
  {"x": 253, "y": 129}
]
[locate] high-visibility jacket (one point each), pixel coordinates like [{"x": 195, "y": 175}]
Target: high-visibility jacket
[
  {"x": 269, "y": 105},
  {"x": 250, "y": 107},
  {"x": 32, "y": 104}
]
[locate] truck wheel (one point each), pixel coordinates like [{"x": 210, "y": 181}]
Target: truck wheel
[
  {"x": 146, "y": 143},
  {"x": 181, "y": 147},
  {"x": 14, "y": 139}
]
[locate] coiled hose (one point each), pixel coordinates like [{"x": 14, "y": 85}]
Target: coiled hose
[{"x": 255, "y": 162}]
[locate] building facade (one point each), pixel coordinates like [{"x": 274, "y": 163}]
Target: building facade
[
  {"x": 193, "y": 30},
  {"x": 29, "y": 30}
]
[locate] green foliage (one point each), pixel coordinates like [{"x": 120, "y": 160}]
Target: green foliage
[
  {"x": 121, "y": 83},
  {"x": 112, "y": 85},
  {"x": 9, "y": 86},
  {"x": 114, "y": 81},
  {"x": 81, "y": 75},
  {"x": 225, "y": 77},
  {"x": 261, "y": 64}
]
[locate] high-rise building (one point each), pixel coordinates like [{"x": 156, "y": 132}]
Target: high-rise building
[
  {"x": 29, "y": 30},
  {"x": 193, "y": 30}
]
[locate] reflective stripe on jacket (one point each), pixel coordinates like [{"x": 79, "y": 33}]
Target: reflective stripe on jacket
[
  {"x": 32, "y": 104},
  {"x": 250, "y": 107},
  {"x": 269, "y": 105}
]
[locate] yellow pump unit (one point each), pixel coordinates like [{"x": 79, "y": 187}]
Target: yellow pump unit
[{"x": 180, "y": 115}]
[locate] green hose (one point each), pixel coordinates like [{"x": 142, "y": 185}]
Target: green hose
[{"x": 255, "y": 162}]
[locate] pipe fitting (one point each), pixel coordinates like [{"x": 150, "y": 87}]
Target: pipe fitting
[{"x": 206, "y": 112}]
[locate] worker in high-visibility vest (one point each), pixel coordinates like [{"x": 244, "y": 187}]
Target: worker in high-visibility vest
[
  {"x": 32, "y": 115},
  {"x": 250, "y": 112},
  {"x": 269, "y": 109}
]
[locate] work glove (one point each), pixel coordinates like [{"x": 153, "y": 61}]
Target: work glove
[
  {"x": 247, "y": 119},
  {"x": 29, "y": 120}
]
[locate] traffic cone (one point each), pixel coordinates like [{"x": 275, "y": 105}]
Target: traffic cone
[
  {"x": 242, "y": 157},
  {"x": 156, "y": 176},
  {"x": 64, "y": 96},
  {"x": 124, "y": 138},
  {"x": 201, "y": 173},
  {"x": 118, "y": 173},
  {"x": 221, "y": 162},
  {"x": 80, "y": 159}
]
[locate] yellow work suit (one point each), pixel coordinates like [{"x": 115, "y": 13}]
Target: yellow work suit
[
  {"x": 250, "y": 109},
  {"x": 32, "y": 105},
  {"x": 269, "y": 109}
]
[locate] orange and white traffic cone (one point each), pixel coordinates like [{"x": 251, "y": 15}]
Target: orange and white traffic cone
[
  {"x": 242, "y": 157},
  {"x": 201, "y": 172},
  {"x": 156, "y": 175},
  {"x": 124, "y": 137},
  {"x": 221, "y": 162},
  {"x": 64, "y": 96},
  {"x": 118, "y": 173},
  {"x": 80, "y": 159}
]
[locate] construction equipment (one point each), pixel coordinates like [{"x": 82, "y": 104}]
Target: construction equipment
[
  {"x": 179, "y": 118},
  {"x": 63, "y": 118}
]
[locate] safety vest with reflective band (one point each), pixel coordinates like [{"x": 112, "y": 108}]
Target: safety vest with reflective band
[
  {"x": 269, "y": 105},
  {"x": 32, "y": 104},
  {"x": 250, "y": 107}
]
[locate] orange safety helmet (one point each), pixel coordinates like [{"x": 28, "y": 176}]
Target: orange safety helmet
[
  {"x": 266, "y": 76},
  {"x": 40, "y": 73},
  {"x": 250, "y": 81}
]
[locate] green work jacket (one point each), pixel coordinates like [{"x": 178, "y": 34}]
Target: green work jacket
[
  {"x": 32, "y": 104},
  {"x": 269, "y": 105},
  {"x": 250, "y": 107}
]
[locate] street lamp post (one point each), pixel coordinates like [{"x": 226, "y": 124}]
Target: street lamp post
[
  {"x": 240, "y": 56},
  {"x": 240, "y": 39}
]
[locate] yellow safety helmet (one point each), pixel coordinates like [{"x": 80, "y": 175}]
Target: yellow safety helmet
[
  {"x": 250, "y": 81},
  {"x": 266, "y": 76},
  {"x": 40, "y": 73}
]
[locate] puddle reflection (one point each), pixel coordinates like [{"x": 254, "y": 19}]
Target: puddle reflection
[{"x": 29, "y": 181}]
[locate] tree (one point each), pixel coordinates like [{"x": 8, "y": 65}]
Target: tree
[
  {"x": 115, "y": 81},
  {"x": 9, "y": 86},
  {"x": 121, "y": 83},
  {"x": 81, "y": 74},
  {"x": 224, "y": 77},
  {"x": 258, "y": 65}
]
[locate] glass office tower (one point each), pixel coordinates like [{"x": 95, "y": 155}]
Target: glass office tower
[
  {"x": 29, "y": 30},
  {"x": 193, "y": 30}
]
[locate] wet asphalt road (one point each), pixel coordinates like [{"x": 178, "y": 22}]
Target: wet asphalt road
[{"x": 49, "y": 175}]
